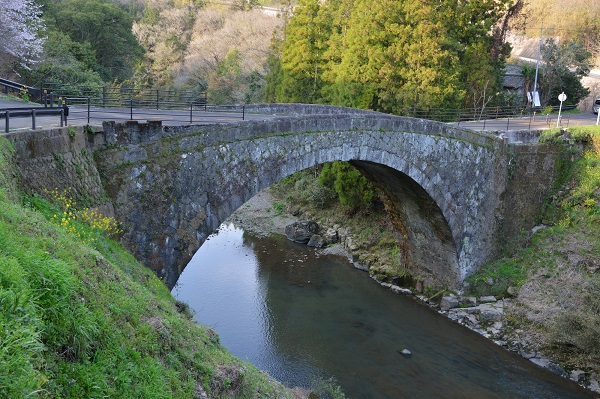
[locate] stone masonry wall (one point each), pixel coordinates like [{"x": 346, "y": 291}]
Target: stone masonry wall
[
  {"x": 59, "y": 159},
  {"x": 172, "y": 187}
]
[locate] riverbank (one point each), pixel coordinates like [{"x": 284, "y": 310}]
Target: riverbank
[{"x": 498, "y": 318}]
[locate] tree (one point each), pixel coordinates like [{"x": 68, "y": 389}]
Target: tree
[
  {"x": 20, "y": 33},
  {"x": 352, "y": 188},
  {"x": 64, "y": 61},
  {"x": 305, "y": 43},
  {"x": 108, "y": 30},
  {"x": 392, "y": 56},
  {"x": 562, "y": 68}
]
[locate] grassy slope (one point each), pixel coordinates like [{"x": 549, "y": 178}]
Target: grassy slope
[
  {"x": 557, "y": 269},
  {"x": 80, "y": 318}
]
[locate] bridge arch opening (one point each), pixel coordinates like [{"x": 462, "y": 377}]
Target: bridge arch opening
[{"x": 427, "y": 249}]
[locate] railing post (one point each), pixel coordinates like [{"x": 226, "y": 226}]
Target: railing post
[
  {"x": 157, "y": 100},
  {"x": 6, "y": 121},
  {"x": 191, "y": 112},
  {"x": 51, "y": 99},
  {"x": 131, "y": 109},
  {"x": 243, "y": 112},
  {"x": 205, "y": 101},
  {"x": 103, "y": 96},
  {"x": 62, "y": 117},
  {"x": 530, "y": 116},
  {"x": 33, "y": 119},
  {"x": 483, "y": 125},
  {"x": 507, "y": 122}
]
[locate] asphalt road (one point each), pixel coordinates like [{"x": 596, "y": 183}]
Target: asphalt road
[
  {"x": 79, "y": 116},
  {"x": 537, "y": 122}
]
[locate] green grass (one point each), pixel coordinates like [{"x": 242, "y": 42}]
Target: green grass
[{"x": 81, "y": 318}]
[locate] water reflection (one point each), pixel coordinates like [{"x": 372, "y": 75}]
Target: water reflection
[{"x": 300, "y": 316}]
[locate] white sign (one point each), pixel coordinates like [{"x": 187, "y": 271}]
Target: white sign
[
  {"x": 562, "y": 97},
  {"x": 534, "y": 97}
]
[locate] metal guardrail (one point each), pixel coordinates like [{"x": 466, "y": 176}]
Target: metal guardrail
[
  {"x": 82, "y": 109},
  {"x": 459, "y": 115},
  {"x": 33, "y": 112},
  {"x": 125, "y": 103},
  {"x": 118, "y": 96},
  {"x": 8, "y": 87}
]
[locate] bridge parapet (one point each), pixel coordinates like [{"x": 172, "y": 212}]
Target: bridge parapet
[{"x": 133, "y": 132}]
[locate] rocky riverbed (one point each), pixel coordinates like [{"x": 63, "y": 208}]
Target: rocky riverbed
[{"x": 488, "y": 315}]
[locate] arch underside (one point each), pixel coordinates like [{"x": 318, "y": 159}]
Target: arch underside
[{"x": 428, "y": 250}]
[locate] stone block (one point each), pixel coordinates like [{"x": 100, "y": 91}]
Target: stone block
[{"x": 448, "y": 303}]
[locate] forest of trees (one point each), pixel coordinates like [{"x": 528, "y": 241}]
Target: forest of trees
[
  {"x": 392, "y": 56},
  {"x": 386, "y": 55},
  {"x": 185, "y": 44}
]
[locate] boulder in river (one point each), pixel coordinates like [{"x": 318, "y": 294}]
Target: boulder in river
[{"x": 301, "y": 231}]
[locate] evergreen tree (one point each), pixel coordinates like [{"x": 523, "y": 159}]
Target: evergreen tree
[
  {"x": 394, "y": 56},
  {"x": 352, "y": 188},
  {"x": 107, "y": 29},
  {"x": 305, "y": 43},
  {"x": 556, "y": 75}
]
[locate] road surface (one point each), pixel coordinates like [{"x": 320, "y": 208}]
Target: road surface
[{"x": 79, "y": 117}]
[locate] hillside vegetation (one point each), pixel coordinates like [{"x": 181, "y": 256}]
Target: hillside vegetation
[
  {"x": 81, "y": 318},
  {"x": 556, "y": 271},
  {"x": 577, "y": 20}
]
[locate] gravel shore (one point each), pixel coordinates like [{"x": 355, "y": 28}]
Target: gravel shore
[{"x": 260, "y": 216}]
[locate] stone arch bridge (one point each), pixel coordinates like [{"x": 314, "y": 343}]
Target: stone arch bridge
[{"x": 454, "y": 195}]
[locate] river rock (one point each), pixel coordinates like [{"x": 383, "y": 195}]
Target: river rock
[
  {"x": 548, "y": 365},
  {"x": 301, "y": 231},
  {"x": 594, "y": 386},
  {"x": 406, "y": 353},
  {"x": 331, "y": 236},
  {"x": 448, "y": 303},
  {"x": 469, "y": 301},
  {"x": 489, "y": 312},
  {"x": 396, "y": 289},
  {"x": 486, "y": 299},
  {"x": 577, "y": 375},
  {"x": 316, "y": 241}
]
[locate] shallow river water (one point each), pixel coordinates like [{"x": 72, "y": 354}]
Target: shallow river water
[{"x": 302, "y": 317}]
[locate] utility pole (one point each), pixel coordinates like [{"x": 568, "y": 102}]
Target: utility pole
[{"x": 537, "y": 66}]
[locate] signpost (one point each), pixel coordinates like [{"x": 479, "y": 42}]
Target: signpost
[{"x": 561, "y": 97}]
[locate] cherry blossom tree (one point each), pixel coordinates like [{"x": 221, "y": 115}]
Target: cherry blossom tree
[{"x": 20, "y": 33}]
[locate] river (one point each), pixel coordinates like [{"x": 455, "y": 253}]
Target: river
[{"x": 303, "y": 317}]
